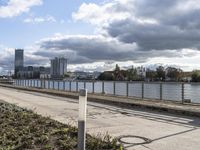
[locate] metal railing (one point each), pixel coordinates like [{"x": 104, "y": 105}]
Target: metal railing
[{"x": 173, "y": 91}]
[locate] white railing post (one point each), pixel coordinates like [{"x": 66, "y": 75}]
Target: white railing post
[{"x": 82, "y": 119}]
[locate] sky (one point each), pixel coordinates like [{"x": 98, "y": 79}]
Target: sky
[{"x": 95, "y": 35}]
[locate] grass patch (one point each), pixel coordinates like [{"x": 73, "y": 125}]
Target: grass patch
[{"x": 22, "y": 129}]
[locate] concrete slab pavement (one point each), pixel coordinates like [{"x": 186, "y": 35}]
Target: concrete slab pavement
[{"x": 167, "y": 131}]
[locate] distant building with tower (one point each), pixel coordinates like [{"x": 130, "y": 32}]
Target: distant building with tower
[
  {"x": 28, "y": 72},
  {"x": 19, "y": 60},
  {"x": 58, "y": 67}
]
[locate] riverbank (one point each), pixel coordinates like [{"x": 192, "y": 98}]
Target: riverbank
[
  {"x": 23, "y": 129},
  {"x": 166, "y": 106}
]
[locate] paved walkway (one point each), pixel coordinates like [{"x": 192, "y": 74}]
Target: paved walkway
[{"x": 167, "y": 132}]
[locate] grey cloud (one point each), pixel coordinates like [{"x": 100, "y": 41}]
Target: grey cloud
[
  {"x": 70, "y": 55},
  {"x": 174, "y": 28},
  {"x": 93, "y": 49},
  {"x": 154, "y": 36}
]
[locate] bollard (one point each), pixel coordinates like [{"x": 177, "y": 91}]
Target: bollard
[{"x": 82, "y": 119}]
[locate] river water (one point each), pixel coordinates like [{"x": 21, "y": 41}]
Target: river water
[{"x": 169, "y": 91}]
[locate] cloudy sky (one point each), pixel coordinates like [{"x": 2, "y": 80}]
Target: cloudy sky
[{"x": 97, "y": 34}]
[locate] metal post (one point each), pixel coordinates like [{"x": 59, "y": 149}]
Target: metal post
[
  {"x": 41, "y": 83},
  {"x": 63, "y": 85},
  {"x": 44, "y": 84},
  {"x": 161, "y": 92},
  {"x": 84, "y": 85},
  {"x": 76, "y": 86},
  {"x": 53, "y": 85},
  {"x": 70, "y": 86},
  {"x": 58, "y": 85},
  {"x": 103, "y": 92},
  {"x": 127, "y": 89},
  {"x": 92, "y": 86},
  {"x": 182, "y": 91},
  {"x": 82, "y": 119},
  {"x": 48, "y": 83},
  {"x": 142, "y": 90},
  {"x": 114, "y": 88}
]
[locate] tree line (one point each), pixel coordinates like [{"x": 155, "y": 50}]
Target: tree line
[{"x": 159, "y": 74}]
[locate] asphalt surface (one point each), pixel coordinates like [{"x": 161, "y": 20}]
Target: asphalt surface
[{"x": 164, "y": 130}]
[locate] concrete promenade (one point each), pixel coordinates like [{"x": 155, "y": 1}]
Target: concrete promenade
[{"x": 167, "y": 131}]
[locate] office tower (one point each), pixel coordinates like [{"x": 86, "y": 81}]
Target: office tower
[
  {"x": 19, "y": 60},
  {"x": 58, "y": 67}
]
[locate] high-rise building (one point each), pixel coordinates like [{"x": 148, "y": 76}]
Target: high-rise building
[
  {"x": 19, "y": 60},
  {"x": 58, "y": 67}
]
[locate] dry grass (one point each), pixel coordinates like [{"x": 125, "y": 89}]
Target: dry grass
[{"x": 22, "y": 129}]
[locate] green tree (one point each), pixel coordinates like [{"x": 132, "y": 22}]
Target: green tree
[
  {"x": 106, "y": 76},
  {"x": 151, "y": 74},
  {"x": 131, "y": 74},
  {"x": 160, "y": 73},
  {"x": 196, "y": 76},
  {"x": 174, "y": 73}
]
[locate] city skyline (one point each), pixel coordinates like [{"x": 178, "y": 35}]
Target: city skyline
[{"x": 95, "y": 35}]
